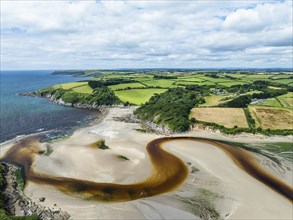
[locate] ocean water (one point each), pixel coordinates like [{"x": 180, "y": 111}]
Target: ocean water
[{"x": 20, "y": 115}]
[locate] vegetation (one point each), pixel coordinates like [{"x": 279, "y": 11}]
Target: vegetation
[
  {"x": 137, "y": 96},
  {"x": 228, "y": 117},
  {"x": 238, "y": 102},
  {"x": 162, "y": 108},
  {"x": 102, "y": 145},
  {"x": 3, "y": 211},
  {"x": 211, "y": 88},
  {"x": 272, "y": 118},
  {"x": 122, "y": 157},
  {"x": 100, "y": 96}
]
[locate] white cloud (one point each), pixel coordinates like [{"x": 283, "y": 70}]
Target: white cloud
[{"x": 117, "y": 34}]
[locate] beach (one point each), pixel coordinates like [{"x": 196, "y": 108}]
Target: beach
[{"x": 215, "y": 187}]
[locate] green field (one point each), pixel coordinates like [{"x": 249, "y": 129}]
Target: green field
[
  {"x": 232, "y": 83},
  {"x": 126, "y": 85},
  {"x": 283, "y": 81},
  {"x": 164, "y": 83},
  {"x": 286, "y": 100},
  {"x": 257, "y": 77},
  {"x": 282, "y": 76},
  {"x": 83, "y": 89},
  {"x": 137, "y": 96},
  {"x": 72, "y": 85},
  {"x": 215, "y": 80},
  {"x": 272, "y": 102}
]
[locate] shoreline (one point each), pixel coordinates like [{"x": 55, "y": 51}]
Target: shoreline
[{"x": 123, "y": 139}]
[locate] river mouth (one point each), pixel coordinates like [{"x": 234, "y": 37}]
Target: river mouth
[{"x": 169, "y": 172}]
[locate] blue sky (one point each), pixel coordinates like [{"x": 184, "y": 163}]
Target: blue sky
[{"x": 145, "y": 34}]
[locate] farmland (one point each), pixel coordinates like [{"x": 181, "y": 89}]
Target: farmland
[
  {"x": 137, "y": 96},
  {"x": 126, "y": 85},
  {"x": 273, "y": 118},
  {"x": 286, "y": 100},
  {"x": 228, "y": 117},
  {"x": 236, "y": 100}
]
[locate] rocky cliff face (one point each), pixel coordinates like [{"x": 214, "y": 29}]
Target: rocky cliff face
[
  {"x": 17, "y": 203},
  {"x": 59, "y": 101}
]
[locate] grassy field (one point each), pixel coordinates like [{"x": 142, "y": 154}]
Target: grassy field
[
  {"x": 137, "y": 96},
  {"x": 281, "y": 76},
  {"x": 286, "y": 100},
  {"x": 283, "y": 81},
  {"x": 214, "y": 100},
  {"x": 72, "y": 85},
  {"x": 215, "y": 80},
  {"x": 83, "y": 89},
  {"x": 272, "y": 102},
  {"x": 272, "y": 117},
  {"x": 164, "y": 83},
  {"x": 232, "y": 83},
  {"x": 126, "y": 85},
  {"x": 228, "y": 117},
  {"x": 257, "y": 77}
]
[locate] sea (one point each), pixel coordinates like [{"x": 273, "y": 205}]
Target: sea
[{"x": 23, "y": 115}]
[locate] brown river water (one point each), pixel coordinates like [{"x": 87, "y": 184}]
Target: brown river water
[{"x": 168, "y": 171}]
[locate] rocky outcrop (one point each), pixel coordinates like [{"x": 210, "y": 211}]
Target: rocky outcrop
[
  {"x": 17, "y": 203},
  {"x": 147, "y": 126}
]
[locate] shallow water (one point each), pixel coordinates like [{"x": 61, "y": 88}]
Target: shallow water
[
  {"x": 21, "y": 115},
  {"x": 168, "y": 172}
]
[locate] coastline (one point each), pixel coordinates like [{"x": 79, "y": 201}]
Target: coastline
[{"x": 123, "y": 139}]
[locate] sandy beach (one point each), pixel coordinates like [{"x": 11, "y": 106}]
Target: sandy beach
[{"x": 215, "y": 188}]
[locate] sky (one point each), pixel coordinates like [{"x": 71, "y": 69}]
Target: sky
[{"x": 146, "y": 34}]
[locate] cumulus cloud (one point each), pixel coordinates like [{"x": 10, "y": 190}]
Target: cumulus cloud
[{"x": 118, "y": 34}]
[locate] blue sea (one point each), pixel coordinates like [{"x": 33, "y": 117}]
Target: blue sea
[{"x": 21, "y": 115}]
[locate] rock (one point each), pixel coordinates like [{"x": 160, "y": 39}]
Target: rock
[{"x": 17, "y": 203}]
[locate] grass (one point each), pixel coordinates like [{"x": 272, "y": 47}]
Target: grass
[
  {"x": 164, "y": 83},
  {"x": 137, "y": 96},
  {"x": 72, "y": 85},
  {"x": 232, "y": 83},
  {"x": 126, "y": 85},
  {"x": 283, "y": 81},
  {"x": 272, "y": 102},
  {"x": 228, "y": 117},
  {"x": 215, "y": 80},
  {"x": 83, "y": 89},
  {"x": 185, "y": 83},
  {"x": 19, "y": 179},
  {"x": 286, "y": 100},
  {"x": 281, "y": 76},
  {"x": 190, "y": 79},
  {"x": 214, "y": 100},
  {"x": 272, "y": 117},
  {"x": 257, "y": 77}
]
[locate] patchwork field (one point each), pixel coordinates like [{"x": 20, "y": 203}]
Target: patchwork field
[
  {"x": 232, "y": 83},
  {"x": 72, "y": 85},
  {"x": 286, "y": 100},
  {"x": 272, "y": 102},
  {"x": 137, "y": 96},
  {"x": 228, "y": 117},
  {"x": 83, "y": 89},
  {"x": 273, "y": 118},
  {"x": 165, "y": 83},
  {"x": 126, "y": 85}
]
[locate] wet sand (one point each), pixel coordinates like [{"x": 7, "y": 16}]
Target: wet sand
[{"x": 122, "y": 139}]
